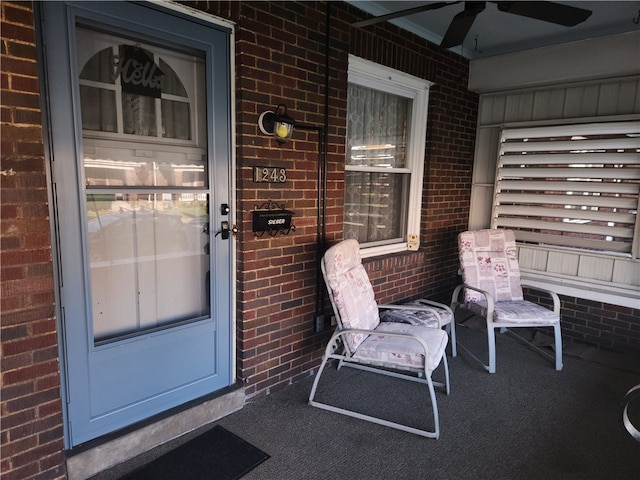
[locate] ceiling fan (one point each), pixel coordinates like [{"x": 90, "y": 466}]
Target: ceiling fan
[{"x": 461, "y": 24}]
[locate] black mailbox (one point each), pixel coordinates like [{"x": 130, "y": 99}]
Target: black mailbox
[{"x": 272, "y": 221}]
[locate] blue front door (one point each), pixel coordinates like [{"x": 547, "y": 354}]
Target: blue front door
[{"x": 140, "y": 146}]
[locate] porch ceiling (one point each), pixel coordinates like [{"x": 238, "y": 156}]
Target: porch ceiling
[{"x": 494, "y": 32}]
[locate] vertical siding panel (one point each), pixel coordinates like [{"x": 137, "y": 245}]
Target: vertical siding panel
[
  {"x": 596, "y": 268},
  {"x": 486, "y": 107},
  {"x": 487, "y": 146},
  {"x": 481, "y": 207},
  {"x": 492, "y": 109},
  {"x": 636, "y": 104},
  {"x": 573, "y": 102},
  {"x": 564, "y": 263},
  {"x": 626, "y": 272},
  {"x": 628, "y": 100},
  {"x": 590, "y": 98},
  {"x": 608, "y": 101},
  {"x": 533, "y": 259},
  {"x": 548, "y": 104},
  {"x": 580, "y": 102},
  {"x": 499, "y": 106},
  {"x": 519, "y": 107}
]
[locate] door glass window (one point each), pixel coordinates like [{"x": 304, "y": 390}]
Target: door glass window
[
  {"x": 146, "y": 187},
  {"x": 129, "y": 79},
  {"x": 148, "y": 262}
]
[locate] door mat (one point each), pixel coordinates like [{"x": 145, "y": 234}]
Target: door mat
[{"x": 217, "y": 454}]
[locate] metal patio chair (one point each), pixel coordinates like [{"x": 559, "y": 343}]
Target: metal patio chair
[
  {"x": 492, "y": 289},
  {"x": 361, "y": 340}
]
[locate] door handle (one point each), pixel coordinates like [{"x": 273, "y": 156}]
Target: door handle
[{"x": 226, "y": 230}]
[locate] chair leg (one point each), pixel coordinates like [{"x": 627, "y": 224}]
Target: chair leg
[
  {"x": 424, "y": 433},
  {"x": 556, "y": 330},
  {"x": 317, "y": 379},
  {"x": 491, "y": 336},
  {"x": 445, "y": 364},
  {"x": 436, "y": 417},
  {"x": 451, "y": 330}
]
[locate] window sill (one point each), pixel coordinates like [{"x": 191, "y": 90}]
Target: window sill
[{"x": 385, "y": 250}]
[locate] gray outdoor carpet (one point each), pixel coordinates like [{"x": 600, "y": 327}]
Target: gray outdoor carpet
[{"x": 526, "y": 421}]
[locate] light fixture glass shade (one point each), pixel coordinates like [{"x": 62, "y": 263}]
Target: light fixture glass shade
[
  {"x": 282, "y": 130},
  {"x": 282, "y": 124},
  {"x": 277, "y": 124}
]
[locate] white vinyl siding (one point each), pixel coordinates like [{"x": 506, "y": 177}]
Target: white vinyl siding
[{"x": 610, "y": 278}]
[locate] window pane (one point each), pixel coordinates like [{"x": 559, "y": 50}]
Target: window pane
[
  {"x": 176, "y": 120},
  {"x": 171, "y": 83},
  {"x": 376, "y": 127},
  {"x": 139, "y": 114},
  {"x": 148, "y": 252},
  {"x": 101, "y": 67},
  {"x": 121, "y": 165},
  {"x": 98, "y": 109},
  {"x": 375, "y": 206}
]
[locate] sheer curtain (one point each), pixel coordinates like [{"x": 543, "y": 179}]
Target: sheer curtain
[{"x": 375, "y": 191}]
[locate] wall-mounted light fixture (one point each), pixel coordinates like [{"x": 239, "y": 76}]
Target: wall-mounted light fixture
[{"x": 277, "y": 123}]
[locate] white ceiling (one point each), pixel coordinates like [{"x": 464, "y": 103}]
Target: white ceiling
[{"x": 495, "y": 32}]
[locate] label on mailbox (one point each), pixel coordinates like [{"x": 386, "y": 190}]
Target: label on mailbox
[{"x": 265, "y": 220}]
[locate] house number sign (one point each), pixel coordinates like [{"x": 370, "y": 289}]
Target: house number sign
[{"x": 269, "y": 174}]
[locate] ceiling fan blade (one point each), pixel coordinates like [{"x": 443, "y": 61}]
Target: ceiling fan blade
[
  {"x": 461, "y": 24},
  {"x": 401, "y": 13},
  {"x": 552, "y": 12}
]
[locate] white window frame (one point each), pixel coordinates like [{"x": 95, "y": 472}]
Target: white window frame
[{"x": 372, "y": 75}]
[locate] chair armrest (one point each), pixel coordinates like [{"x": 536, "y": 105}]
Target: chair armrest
[
  {"x": 456, "y": 295},
  {"x": 554, "y": 296},
  {"x": 340, "y": 333},
  {"x": 417, "y": 308},
  {"x": 425, "y": 301}
]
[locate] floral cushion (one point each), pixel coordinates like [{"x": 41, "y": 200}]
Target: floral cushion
[
  {"x": 394, "y": 352},
  {"x": 489, "y": 261},
  {"x": 417, "y": 317},
  {"x": 521, "y": 311},
  {"x": 351, "y": 290}
]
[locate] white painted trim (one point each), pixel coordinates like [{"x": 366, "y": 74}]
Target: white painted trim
[
  {"x": 596, "y": 58},
  {"x": 383, "y": 250},
  {"x": 376, "y": 76}
]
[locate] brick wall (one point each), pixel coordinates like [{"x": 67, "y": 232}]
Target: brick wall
[
  {"x": 280, "y": 58},
  {"x": 31, "y": 409},
  {"x": 610, "y": 327},
  {"x": 597, "y": 324}
]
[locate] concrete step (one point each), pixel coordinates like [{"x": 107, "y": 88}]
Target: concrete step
[{"x": 106, "y": 454}]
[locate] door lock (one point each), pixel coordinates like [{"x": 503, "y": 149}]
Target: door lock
[{"x": 226, "y": 230}]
